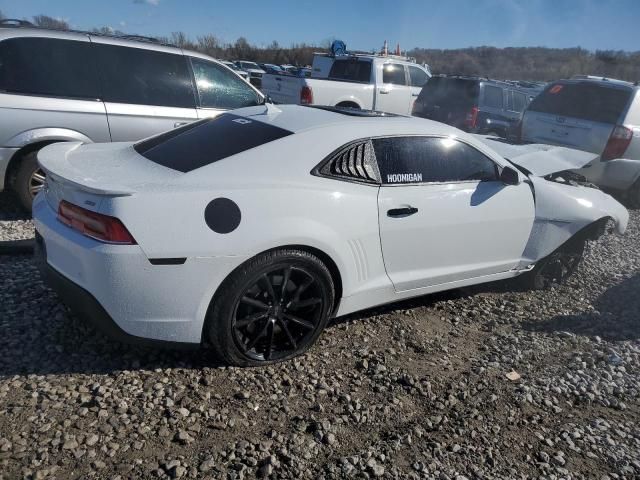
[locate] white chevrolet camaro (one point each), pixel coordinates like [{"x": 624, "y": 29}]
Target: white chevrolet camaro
[{"x": 249, "y": 231}]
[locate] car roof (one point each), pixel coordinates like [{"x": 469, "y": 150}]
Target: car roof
[
  {"x": 602, "y": 81},
  {"x": 299, "y": 118}
]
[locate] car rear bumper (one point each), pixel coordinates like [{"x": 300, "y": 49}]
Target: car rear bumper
[
  {"x": 6, "y": 154},
  {"x": 618, "y": 174},
  {"x": 118, "y": 288}
]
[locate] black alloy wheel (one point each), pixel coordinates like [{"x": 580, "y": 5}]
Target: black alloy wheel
[
  {"x": 557, "y": 267},
  {"x": 273, "y": 309}
]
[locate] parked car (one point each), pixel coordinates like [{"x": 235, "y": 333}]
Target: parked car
[
  {"x": 291, "y": 69},
  {"x": 254, "y": 71},
  {"x": 472, "y": 104},
  {"x": 271, "y": 68},
  {"x": 593, "y": 114},
  {"x": 234, "y": 67},
  {"x": 212, "y": 233},
  {"x": 371, "y": 82},
  {"x": 71, "y": 86}
]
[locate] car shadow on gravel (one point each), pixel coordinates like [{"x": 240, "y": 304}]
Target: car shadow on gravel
[
  {"x": 10, "y": 208},
  {"x": 615, "y": 316}
]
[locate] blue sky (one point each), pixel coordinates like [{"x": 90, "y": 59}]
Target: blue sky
[{"x": 591, "y": 24}]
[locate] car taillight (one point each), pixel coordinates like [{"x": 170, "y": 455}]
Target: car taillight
[
  {"x": 618, "y": 143},
  {"x": 95, "y": 225},
  {"x": 306, "y": 95},
  {"x": 472, "y": 118}
]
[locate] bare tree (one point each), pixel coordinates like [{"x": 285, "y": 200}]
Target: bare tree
[{"x": 46, "y": 21}]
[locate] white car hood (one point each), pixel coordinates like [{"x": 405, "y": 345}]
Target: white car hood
[{"x": 540, "y": 159}]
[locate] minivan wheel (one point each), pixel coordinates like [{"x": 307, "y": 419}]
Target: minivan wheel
[
  {"x": 29, "y": 180},
  {"x": 633, "y": 195},
  {"x": 271, "y": 309},
  {"x": 556, "y": 268}
]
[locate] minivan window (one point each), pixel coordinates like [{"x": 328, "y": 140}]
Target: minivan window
[
  {"x": 144, "y": 77},
  {"x": 49, "y": 67},
  {"x": 207, "y": 141},
  {"x": 393, "y": 73},
  {"x": 417, "y": 76},
  {"x": 493, "y": 97},
  {"x": 582, "y": 100},
  {"x": 351, "y": 70},
  {"x": 219, "y": 88},
  {"x": 430, "y": 160}
]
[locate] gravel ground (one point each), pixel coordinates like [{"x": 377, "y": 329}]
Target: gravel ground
[{"x": 484, "y": 382}]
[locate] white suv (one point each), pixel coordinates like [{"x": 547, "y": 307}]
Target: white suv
[{"x": 597, "y": 115}]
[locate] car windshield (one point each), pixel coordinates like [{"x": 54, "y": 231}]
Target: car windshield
[
  {"x": 583, "y": 100},
  {"x": 250, "y": 65}
]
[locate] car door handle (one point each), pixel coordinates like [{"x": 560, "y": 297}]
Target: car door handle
[
  {"x": 383, "y": 92},
  {"x": 415, "y": 94},
  {"x": 179, "y": 124},
  {"x": 401, "y": 212}
]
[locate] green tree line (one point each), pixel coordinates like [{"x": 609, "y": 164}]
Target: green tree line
[{"x": 526, "y": 63}]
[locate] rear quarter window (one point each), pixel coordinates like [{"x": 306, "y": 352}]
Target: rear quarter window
[
  {"x": 207, "y": 141},
  {"x": 351, "y": 70},
  {"x": 48, "y": 67},
  {"x": 597, "y": 103}
]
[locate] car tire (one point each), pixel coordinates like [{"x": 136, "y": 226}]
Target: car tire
[
  {"x": 556, "y": 268},
  {"x": 271, "y": 308},
  {"x": 633, "y": 195},
  {"x": 29, "y": 180}
]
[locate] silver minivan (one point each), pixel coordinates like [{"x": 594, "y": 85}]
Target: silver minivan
[
  {"x": 78, "y": 86},
  {"x": 597, "y": 115}
]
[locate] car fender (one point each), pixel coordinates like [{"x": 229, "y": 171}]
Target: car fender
[
  {"x": 564, "y": 210},
  {"x": 47, "y": 134}
]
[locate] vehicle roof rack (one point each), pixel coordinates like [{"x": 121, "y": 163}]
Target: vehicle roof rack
[
  {"x": 15, "y": 22},
  {"x": 365, "y": 54}
]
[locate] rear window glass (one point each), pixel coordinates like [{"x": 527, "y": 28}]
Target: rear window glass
[
  {"x": 352, "y": 70},
  {"x": 456, "y": 92},
  {"x": 207, "y": 141},
  {"x": 48, "y": 67},
  {"x": 585, "y": 101}
]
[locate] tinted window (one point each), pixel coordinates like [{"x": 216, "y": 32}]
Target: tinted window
[
  {"x": 417, "y": 76},
  {"x": 42, "y": 66},
  {"x": 393, "y": 73},
  {"x": 455, "y": 92},
  {"x": 493, "y": 96},
  {"x": 219, "y": 88},
  {"x": 146, "y": 77},
  {"x": 582, "y": 100},
  {"x": 519, "y": 101},
  {"x": 207, "y": 141},
  {"x": 425, "y": 159},
  {"x": 353, "y": 70}
]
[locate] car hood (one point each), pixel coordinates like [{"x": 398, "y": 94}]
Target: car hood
[{"x": 540, "y": 159}]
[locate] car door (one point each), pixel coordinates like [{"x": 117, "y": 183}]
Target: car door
[
  {"x": 444, "y": 215},
  {"x": 492, "y": 116},
  {"x": 145, "y": 91},
  {"x": 417, "y": 80},
  {"x": 393, "y": 94},
  {"x": 218, "y": 89}
]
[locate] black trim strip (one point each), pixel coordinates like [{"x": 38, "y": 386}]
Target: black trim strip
[{"x": 168, "y": 261}]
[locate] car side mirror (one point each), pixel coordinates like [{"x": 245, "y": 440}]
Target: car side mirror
[{"x": 509, "y": 176}]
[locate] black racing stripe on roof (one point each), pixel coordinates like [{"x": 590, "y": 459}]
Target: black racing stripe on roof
[
  {"x": 354, "y": 112},
  {"x": 206, "y": 141}
]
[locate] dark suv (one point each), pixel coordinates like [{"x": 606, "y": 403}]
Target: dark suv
[{"x": 473, "y": 104}]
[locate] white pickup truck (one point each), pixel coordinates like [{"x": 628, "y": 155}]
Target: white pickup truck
[{"x": 386, "y": 83}]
